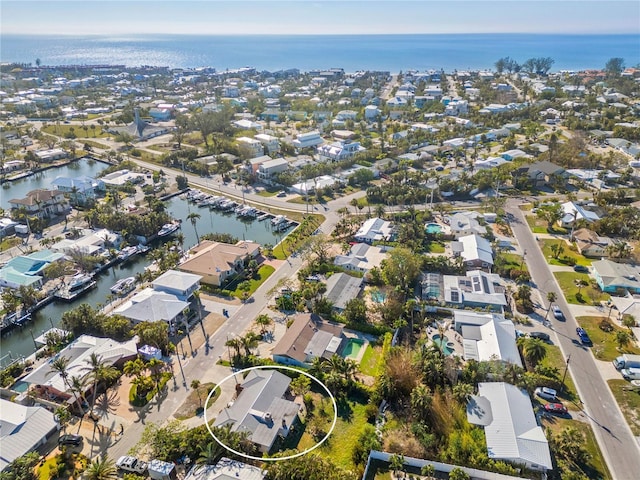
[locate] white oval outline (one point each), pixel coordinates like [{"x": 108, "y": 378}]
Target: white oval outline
[{"x": 267, "y": 367}]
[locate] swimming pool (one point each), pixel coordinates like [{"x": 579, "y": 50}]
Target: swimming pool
[
  {"x": 433, "y": 228},
  {"x": 443, "y": 343},
  {"x": 377, "y": 296},
  {"x": 352, "y": 348},
  {"x": 20, "y": 386}
]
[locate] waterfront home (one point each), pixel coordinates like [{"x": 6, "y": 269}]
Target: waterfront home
[
  {"x": 50, "y": 384},
  {"x": 487, "y": 337},
  {"x": 12, "y": 165},
  {"x": 374, "y": 229},
  {"x": 475, "y": 250},
  {"x": 465, "y": 223},
  {"x": 79, "y": 189},
  {"x": 226, "y": 469},
  {"x": 41, "y": 203},
  {"x": 341, "y": 289},
  {"x": 90, "y": 242},
  {"x": 476, "y": 289},
  {"x": 153, "y": 306},
  {"x": 218, "y": 262},
  {"x": 267, "y": 169},
  {"x": 590, "y": 244},
  {"x": 182, "y": 285},
  {"x": 511, "y": 430},
  {"x": 308, "y": 337},
  {"x": 24, "y": 429},
  {"x": 121, "y": 177},
  {"x": 27, "y": 270},
  {"x": 615, "y": 277},
  {"x": 51, "y": 155},
  {"x": 260, "y": 409},
  {"x": 362, "y": 257}
]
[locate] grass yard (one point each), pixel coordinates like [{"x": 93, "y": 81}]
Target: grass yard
[
  {"x": 567, "y": 258},
  {"x": 589, "y": 293},
  {"x": 538, "y": 225},
  {"x": 78, "y": 131},
  {"x": 555, "y": 359},
  {"x": 596, "y": 468},
  {"x": 339, "y": 446},
  {"x": 269, "y": 192},
  {"x": 196, "y": 401},
  {"x": 435, "y": 247},
  {"x": 513, "y": 261},
  {"x": 629, "y": 402},
  {"x": 604, "y": 343},
  {"x": 9, "y": 242},
  {"x": 370, "y": 360},
  {"x": 264, "y": 272}
]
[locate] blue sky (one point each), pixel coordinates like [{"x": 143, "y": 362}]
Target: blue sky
[{"x": 119, "y": 17}]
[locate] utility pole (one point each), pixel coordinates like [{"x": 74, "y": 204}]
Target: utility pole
[{"x": 564, "y": 376}]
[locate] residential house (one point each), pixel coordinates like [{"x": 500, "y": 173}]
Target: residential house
[
  {"x": 139, "y": 130},
  {"x": 374, "y": 229},
  {"x": 476, "y": 289},
  {"x": 122, "y": 177},
  {"x": 27, "y": 270},
  {"x": 341, "y": 289},
  {"x": 48, "y": 383},
  {"x": 462, "y": 224},
  {"x": 90, "y": 242},
  {"x": 260, "y": 409},
  {"x": 590, "y": 244},
  {"x": 150, "y": 305},
  {"x": 308, "y": 140},
  {"x": 269, "y": 142},
  {"x": 475, "y": 250},
  {"x": 250, "y": 146},
  {"x": 217, "y": 262},
  {"x": 79, "y": 189},
  {"x": 574, "y": 212},
  {"x": 23, "y": 429},
  {"x": 308, "y": 337},
  {"x": 51, "y": 155},
  {"x": 361, "y": 258},
  {"x": 180, "y": 284},
  {"x": 338, "y": 151},
  {"x": 541, "y": 174},
  {"x": 371, "y": 113},
  {"x": 42, "y": 203},
  {"x": 257, "y": 161},
  {"x": 487, "y": 337},
  {"x": 226, "y": 469},
  {"x": 511, "y": 430},
  {"x": 269, "y": 168},
  {"x": 613, "y": 277}
]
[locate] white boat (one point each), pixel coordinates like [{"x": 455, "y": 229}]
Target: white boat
[
  {"x": 78, "y": 284},
  {"x": 123, "y": 286},
  {"x": 278, "y": 219},
  {"x": 249, "y": 212},
  {"x": 127, "y": 252},
  {"x": 263, "y": 217},
  {"x": 168, "y": 229}
]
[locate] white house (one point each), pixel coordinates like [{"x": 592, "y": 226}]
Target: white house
[
  {"x": 362, "y": 257},
  {"x": 338, "y": 151},
  {"x": 269, "y": 168},
  {"x": 269, "y": 142},
  {"x": 374, "y": 229},
  {"x": 465, "y": 223},
  {"x": 252, "y": 146},
  {"x": 487, "y": 337},
  {"x": 371, "y": 112},
  {"x": 307, "y": 140},
  {"x": 475, "y": 250}
]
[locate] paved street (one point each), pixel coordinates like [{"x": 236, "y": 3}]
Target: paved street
[{"x": 614, "y": 436}]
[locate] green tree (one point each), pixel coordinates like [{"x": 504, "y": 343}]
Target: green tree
[
  {"x": 401, "y": 268},
  {"x": 300, "y": 385},
  {"x": 102, "y": 468},
  {"x": 355, "y": 311},
  {"x": 551, "y": 297},
  {"x": 306, "y": 467},
  {"x": 264, "y": 321},
  {"x": 622, "y": 339},
  {"x": 458, "y": 474},
  {"x": 614, "y": 66},
  {"x": 182, "y": 182},
  {"x": 533, "y": 350},
  {"x": 193, "y": 218},
  {"x": 22, "y": 468}
]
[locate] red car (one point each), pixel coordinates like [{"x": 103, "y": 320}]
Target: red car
[{"x": 556, "y": 408}]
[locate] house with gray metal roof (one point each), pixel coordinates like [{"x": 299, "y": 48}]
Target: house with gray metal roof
[
  {"x": 475, "y": 289},
  {"x": 510, "y": 427},
  {"x": 342, "y": 288},
  {"x": 612, "y": 277},
  {"x": 226, "y": 469},
  {"x": 475, "y": 250},
  {"x": 23, "y": 429},
  {"x": 152, "y": 306},
  {"x": 260, "y": 409},
  {"x": 180, "y": 284},
  {"x": 362, "y": 257}
]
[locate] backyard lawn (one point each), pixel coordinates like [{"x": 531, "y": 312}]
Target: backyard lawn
[
  {"x": 569, "y": 288},
  {"x": 629, "y": 402},
  {"x": 538, "y": 225},
  {"x": 568, "y": 257},
  {"x": 554, "y": 359},
  {"x": 596, "y": 468},
  {"x": 370, "y": 359},
  {"x": 264, "y": 272},
  {"x": 604, "y": 343},
  {"x": 435, "y": 247}
]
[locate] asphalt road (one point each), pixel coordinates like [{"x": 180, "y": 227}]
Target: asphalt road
[{"x": 618, "y": 445}]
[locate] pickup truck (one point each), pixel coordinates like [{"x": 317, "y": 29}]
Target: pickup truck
[{"x": 131, "y": 464}]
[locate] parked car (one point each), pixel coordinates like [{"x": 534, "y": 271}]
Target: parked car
[
  {"x": 580, "y": 268},
  {"x": 557, "y": 408},
  {"x": 546, "y": 393},
  {"x": 557, "y": 312},
  {"x": 584, "y": 337},
  {"x": 541, "y": 335},
  {"x": 70, "y": 439},
  {"x": 281, "y": 194},
  {"x": 131, "y": 464}
]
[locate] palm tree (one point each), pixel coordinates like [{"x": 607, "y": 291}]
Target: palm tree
[
  {"x": 234, "y": 343},
  {"x": 428, "y": 471},
  {"x": 622, "y": 339},
  {"x": 59, "y": 366},
  {"x": 396, "y": 462},
  {"x": 551, "y": 297},
  {"x": 195, "y": 385},
  {"x": 534, "y": 351},
  {"x": 249, "y": 341},
  {"x": 77, "y": 385},
  {"x": 101, "y": 468},
  {"x": 193, "y": 218},
  {"x": 263, "y": 321},
  {"x": 95, "y": 364}
]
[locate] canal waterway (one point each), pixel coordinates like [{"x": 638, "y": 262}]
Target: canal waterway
[{"x": 20, "y": 343}]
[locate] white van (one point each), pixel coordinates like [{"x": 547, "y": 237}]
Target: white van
[{"x": 630, "y": 373}]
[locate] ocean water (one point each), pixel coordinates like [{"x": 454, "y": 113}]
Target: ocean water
[{"x": 306, "y": 52}]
